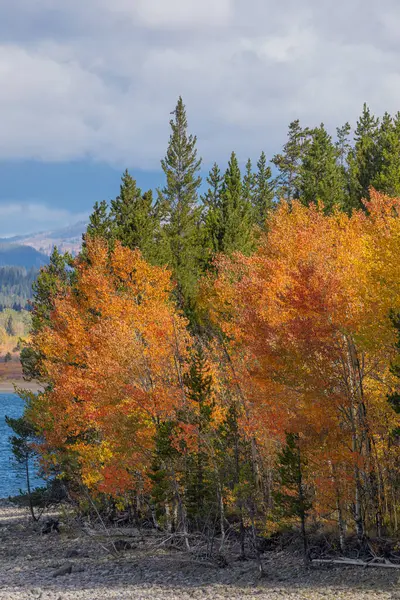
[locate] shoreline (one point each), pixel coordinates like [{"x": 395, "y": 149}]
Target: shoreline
[{"x": 7, "y": 386}]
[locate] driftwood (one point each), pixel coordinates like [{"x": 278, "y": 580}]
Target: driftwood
[{"x": 357, "y": 563}]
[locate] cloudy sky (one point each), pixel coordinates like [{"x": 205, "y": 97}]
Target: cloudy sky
[{"x": 87, "y": 87}]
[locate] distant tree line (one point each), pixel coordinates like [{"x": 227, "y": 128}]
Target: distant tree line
[{"x": 16, "y": 287}]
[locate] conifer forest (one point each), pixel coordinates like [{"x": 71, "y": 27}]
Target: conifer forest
[{"x": 223, "y": 356}]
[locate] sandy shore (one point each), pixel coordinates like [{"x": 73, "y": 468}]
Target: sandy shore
[
  {"x": 7, "y": 386},
  {"x": 29, "y": 562}
]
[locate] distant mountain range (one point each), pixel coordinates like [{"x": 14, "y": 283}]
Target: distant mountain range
[
  {"x": 33, "y": 250},
  {"x": 68, "y": 239},
  {"x": 14, "y": 255}
]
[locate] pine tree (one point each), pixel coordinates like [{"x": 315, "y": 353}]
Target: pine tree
[
  {"x": 263, "y": 195},
  {"x": 235, "y": 463},
  {"x": 287, "y": 182},
  {"x": 343, "y": 145},
  {"x": 179, "y": 208},
  {"x": 363, "y": 158},
  {"x": 212, "y": 213},
  {"x": 162, "y": 492},
  {"x": 23, "y": 448},
  {"x": 198, "y": 383},
  {"x": 249, "y": 182},
  {"x": 133, "y": 218},
  {"x": 387, "y": 179},
  {"x": 53, "y": 279},
  {"x": 293, "y": 498},
  {"x": 321, "y": 176},
  {"x": 99, "y": 221},
  {"x": 236, "y": 213}
]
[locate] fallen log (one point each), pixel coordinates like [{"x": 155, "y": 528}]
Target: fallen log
[{"x": 355, "y": 563}]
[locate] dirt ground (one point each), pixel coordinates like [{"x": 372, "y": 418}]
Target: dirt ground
[{"x": 31, "y": 567}]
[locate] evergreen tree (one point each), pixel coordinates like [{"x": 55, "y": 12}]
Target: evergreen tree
[
  {"x": 289, "y": 162},
  {"x": 263, "y": 195},
  {"x": 179, "y": 208},
  {"x": 22, "y": 445},
  {"x": 387, "y": 178},
  {"x": 10, "y": 327},
  {"x": 249, "y": 182},
  {"x": 162, "y": 492},
  {"x": 234, "y": 456},
  {"x": 343, "y": 145},
  {"x": 56, "y": 277},
  {"x": 133, "y": 218},
  {"x": 198, "y": 383},
  {"x": 212, "y": 213},
  {"x": 236, "y": 233},
  {"x": 363, "y": 158},
  {"x": 99, "y": 221},
  {"x": 321, "y": 176},
  {"x": 293, "y": 498}
]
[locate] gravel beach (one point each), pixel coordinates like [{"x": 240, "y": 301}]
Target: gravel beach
[{"x": 76, "y": 565}]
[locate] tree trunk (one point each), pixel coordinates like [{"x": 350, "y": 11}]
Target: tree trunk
[
  {"x": 221, "y": 516},
  {"x": 304, "y": 536},
  {"x": 168, "y": 517},
  {"x": 341, "y": 522},
  {"x": 256, "y": 548},
  {"x": 28, "y": 485},
  {"x": 303, "y": 515}
]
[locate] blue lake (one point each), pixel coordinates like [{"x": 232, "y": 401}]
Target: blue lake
[{"x": 12, "y": 476}]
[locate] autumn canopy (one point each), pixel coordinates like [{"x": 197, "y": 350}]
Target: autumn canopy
[{"x": 294, "y": 350}]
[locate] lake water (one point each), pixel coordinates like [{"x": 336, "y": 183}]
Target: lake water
[{"x": 12, "y": 476}]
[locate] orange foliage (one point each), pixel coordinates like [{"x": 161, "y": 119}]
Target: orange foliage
[
  {"x": 305, "y": 345},
  {"x": 114, "y": 354},
  {"x": 307, "y": 319}
]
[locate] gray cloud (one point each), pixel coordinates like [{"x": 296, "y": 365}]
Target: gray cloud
[
  {"x": 99, "y": 78},
  {"x": 18, "y": 218}
]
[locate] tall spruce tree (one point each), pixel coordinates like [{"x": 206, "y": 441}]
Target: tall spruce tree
[
  {"x": 363, "y": 158},
  {"x": 343, "y": 147},
  {"x": 321, "y": 176},
  {"x": 133, "y": 218},
  {"x": 289, "y": 161},
  {"x": 236, "y": 221},
  {"x": 179, "y": 207},
  {"x": 293, "y": 498},
  {"x": 249, "y": 182},
  {"x": 263, "y": 196},
  {"x": 343, "y": 144},
  {"x": 198, "y": 381},
  {"x": 212, "y": 230},
  {"x": 387, "y": 178},
  {"x": 99, "y": 221}
]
